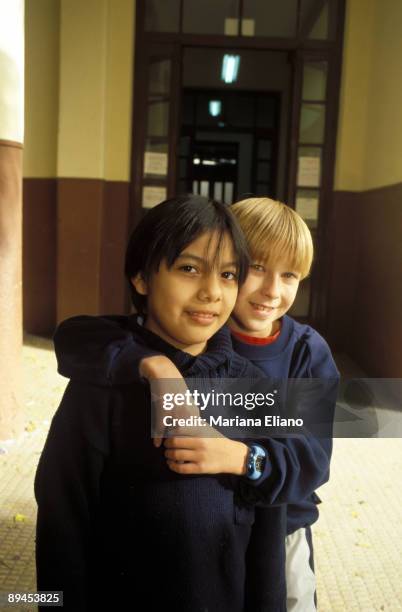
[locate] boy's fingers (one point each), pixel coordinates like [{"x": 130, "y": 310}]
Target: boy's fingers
[
  {"x": 157, "y": 442},
  {"x": 179, "y": 454},
  {"x": 179, "y": 442},
  {"x": 183, "y": 468}
]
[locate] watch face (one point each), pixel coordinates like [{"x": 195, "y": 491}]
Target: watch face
[{"x": 259, "y": 464}]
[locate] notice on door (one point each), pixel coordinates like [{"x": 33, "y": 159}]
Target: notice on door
[
  {"x": 151, "y": 196},
  {"x": 155, "y": 163},
  {"x": 309, "y": 172}
]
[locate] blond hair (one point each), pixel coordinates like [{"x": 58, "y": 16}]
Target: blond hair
[{"x": 275, "y": 231}]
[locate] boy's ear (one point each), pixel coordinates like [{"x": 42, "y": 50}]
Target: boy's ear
[{"x": 140, "y": 285}]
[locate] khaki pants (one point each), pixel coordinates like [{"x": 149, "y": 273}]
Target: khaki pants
[{"x": 300, "y": 577}]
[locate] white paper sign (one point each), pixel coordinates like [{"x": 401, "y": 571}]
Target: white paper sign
[
  {"x": 155, "y": 163},
  {"x": 231, "y": 26},
  {"x": 309, "y": 172},
  {"x": 151, "y": 196},
  {"x": 247, "y": 27},
  {"x": 307, "y": 208}
]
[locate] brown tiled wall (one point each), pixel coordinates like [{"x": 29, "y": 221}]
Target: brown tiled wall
[
  {"x": 365, "y": 305},
  {"x": 75, "y": 234},
  {"x": 39, "y": 255},
  {"x": 115, "y": 231}
]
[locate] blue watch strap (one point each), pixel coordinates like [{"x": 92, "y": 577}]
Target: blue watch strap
[{"x": 255, "y": 462}]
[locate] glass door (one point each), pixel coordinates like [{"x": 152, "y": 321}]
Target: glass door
[{"x": 155, "y": 127}]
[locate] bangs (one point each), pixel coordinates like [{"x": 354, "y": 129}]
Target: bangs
[
  {"x": 270, "y": 247},
  {"x": 217, "y": 221},
  {"x": 275, "y": 232}
]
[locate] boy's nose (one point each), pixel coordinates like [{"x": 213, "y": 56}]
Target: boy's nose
[
  {"x": 271, "y": 288},
  {"x": 210, "y": 291}
]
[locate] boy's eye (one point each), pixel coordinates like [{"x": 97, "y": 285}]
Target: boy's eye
[
  {"x": 229, "y": 275},
  {"x": 290, "y": 275},
  {"x": 189, "y": 269},
  {"x": 257, "y": 267}
]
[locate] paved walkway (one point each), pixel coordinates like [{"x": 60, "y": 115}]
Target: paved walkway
[{"x": 358, "y": 539}]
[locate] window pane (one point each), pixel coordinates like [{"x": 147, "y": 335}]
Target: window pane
[
  {"x": 262, "y": 189},
  {"x": 266, "y": 112},
  {"x": 264, "y": 149},
  {"x": 319, "y": 30},
  {"x": 263, "y": 172},
  {"x": 184, "y": 147},
  {"x": 159, "y": 77},
  {"x": 314, "y": 19},
  {"x": 162, "y": 15},
  {"x": 151, "y": 196},
  {"x": 158, "y": 119},
  {"x": 182, "y": 187},
  {"x": 314, "y": 80},
  {"x": 228, "y": 197},
  {"x": 183, "y": 163},
  {"x": 204, "y": 188},
  {"x": 239, "y": 111},
  {"x": 309, "y": 167},
  {"x": 312, "y": 123},
  {"x": 188, "y": 109},
  {"x": 218, "y": 191},
  {"x": 307, "y": 202},
  {"x": 211, "y": 16},
  {"x": 270, "y": 18}
]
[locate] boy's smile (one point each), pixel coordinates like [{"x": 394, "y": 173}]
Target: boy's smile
[
  {"x": 202, "y": 317},
  {"x": 267, "y": 294},
  {"x": 189, "y": 302}
]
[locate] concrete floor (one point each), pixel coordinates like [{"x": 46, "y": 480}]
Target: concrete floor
[{"x": 358, "y": 539}]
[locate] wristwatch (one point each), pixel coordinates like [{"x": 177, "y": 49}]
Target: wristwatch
[{"x": 256, "y": 459}]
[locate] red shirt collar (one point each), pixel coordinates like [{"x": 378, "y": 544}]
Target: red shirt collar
[{"x": 259, "y": 341}]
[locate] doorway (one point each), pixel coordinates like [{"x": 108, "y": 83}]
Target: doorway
[
  {"x": 268, "y": 129},
  {"x": 237, "y": 130}
]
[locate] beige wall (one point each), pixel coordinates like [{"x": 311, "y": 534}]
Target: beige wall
[
  {"x": 95, "y": 89},
  {"x": 42, "y": 87},
  {"x": 383, "y": 161},
  {"x": 369, "y": 149},
  {"x": 119, "y": 67},
  {"x": 79, "y": 88},
  {"x": 83, "y": 48}
]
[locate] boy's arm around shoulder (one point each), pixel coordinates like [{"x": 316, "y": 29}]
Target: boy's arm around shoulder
[
  {"x": 67, "y": 489},
  {"x": 297, "y": 465},
  {"x": 99, "y": 350}
]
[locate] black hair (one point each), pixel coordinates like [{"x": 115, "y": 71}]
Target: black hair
[{"x": 168, "y": 228}]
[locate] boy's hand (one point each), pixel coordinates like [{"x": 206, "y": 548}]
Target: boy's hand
[
  {"x": 158, "y": 366},
  {"x": 215, "y": 455},
  {"x": 164, "y": 377}
]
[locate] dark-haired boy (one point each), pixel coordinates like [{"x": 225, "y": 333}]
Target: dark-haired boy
[{"x": 115, "y": 525}]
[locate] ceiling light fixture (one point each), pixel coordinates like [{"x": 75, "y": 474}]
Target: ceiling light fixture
[{"x": 230, "y": 68}]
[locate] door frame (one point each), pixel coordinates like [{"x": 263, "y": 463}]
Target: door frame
[{"x": 172, "y": 45}]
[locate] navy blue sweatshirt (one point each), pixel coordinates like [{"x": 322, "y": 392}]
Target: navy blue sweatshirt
[
  {"x": 298, "y": 352},
  {"x": 102, "y": 350},
  {"x": 116, "y": 527}
]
